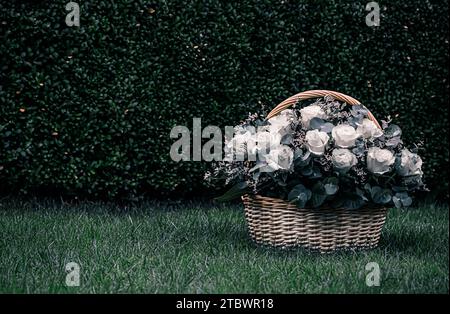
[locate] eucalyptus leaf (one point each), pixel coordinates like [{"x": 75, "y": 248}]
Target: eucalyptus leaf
[
  {"x": 300, "y": 195},
  {"x": 281, "y": 179},
  {"x": 307, "y": 171},
  {"x": 258, "y": 165},
  {"x": 380, "y": 195},
  {"x": 298, "y": 153},
  {"x": 396, "y": 188},
  {"x": 402, "y": 199},
  {"x": 352, "y": 201},
  {"x": 412, "y": 182},
  {"x": 331, "y": 185},
  {"x": 300, "y": 159},
  {"x": 318, "y": 199},
  {"x": 316, "y": 173},
  {"x": 319, "y": 194},
  {"x": 392, "y": 130},
  {"x": 331, "y": 189},
  {"x": 394, "y": 141},
  {"x": 234, "y": 192},
  {"x": 306, "y": 156},
  {"x": 286, "y": 139},
  {"x": 316, "y": 123},
  {"x": 397, "y": 202},
  {"x": 260, "y": 122},
  {"x": 358, "y": 151},
  {"x": 361, "y": 194},
  {"x": 354, "y": 121},
  {"x": 407, "y": 201},
  {"x": 358, "y": 110},
  {"x": 319, "y": 188},
  {"x": 327, "y": 127}
]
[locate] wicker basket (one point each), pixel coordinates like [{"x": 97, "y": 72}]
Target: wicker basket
[{"x": 278, "y": 223}]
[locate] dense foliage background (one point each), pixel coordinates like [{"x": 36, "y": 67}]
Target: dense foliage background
[{"x": 87, "y": 110}]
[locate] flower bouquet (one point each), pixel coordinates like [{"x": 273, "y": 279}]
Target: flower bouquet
[{"x": 320, "y": 174}]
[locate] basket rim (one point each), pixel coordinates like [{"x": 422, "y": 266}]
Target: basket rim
[
  {"x": 259, "y": 197},
  {"x": 317, "y": 93}
]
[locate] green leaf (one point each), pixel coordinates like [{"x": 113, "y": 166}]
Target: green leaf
[
  {"x": 331, "y": 185},
  {"x": 393, "y": 130},
  {"x": 361, "y": 194},
  {"x": 287, "y": 139},
  {"x": 234, "y": 192},
  {"x": 319, "y": 188},
  {"x": 307, "y": 171},
  {"x": 353, "y": 201},
  {"x": 300, "y": 195},
  {"x": 318, "y": 199},
  {"x": 402, "y": 199},
  {"x": 380, "y": 195},
  {"x": 397, "y": 202},
  {"x": 319, "y": 194},
  {"x": 327, "y": 127},
  {"x": 316, "y": 123}
]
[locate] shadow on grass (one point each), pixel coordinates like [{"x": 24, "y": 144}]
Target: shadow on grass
[
  {"x": 407, "y": 240},
  {"x": 229, "y": 228}
]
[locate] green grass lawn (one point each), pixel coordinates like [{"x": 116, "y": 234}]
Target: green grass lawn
[{"x": 204, "y": 249}]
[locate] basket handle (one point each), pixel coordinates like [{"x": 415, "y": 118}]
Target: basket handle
[{"x": 316, "y": 94}]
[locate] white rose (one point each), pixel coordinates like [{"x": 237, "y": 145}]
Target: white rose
[
  {"x": 265, "y": 141},
  {"x": 344, "y": 135},
  {"x": 343, "y": 159},
  {"x": 316, "y": 141},
  {"x": 379, "y": 160},
  {"x": 368, "y": 129},
  {"x": 310, "y": 112},
  {"x": 280, "y": 157},
  {"x": 241, "y": 129},
  {"x": 282, "y": 123},
  {"x": 288, "y": 115},
  {"x": 410, "y": 164},
  {"x": 239, "y": 146}
]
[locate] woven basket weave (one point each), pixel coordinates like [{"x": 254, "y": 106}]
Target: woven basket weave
[{"x": 278, "y": 223}]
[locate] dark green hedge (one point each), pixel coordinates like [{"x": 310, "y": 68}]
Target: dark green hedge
[{"x": 87, "y": 111}]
